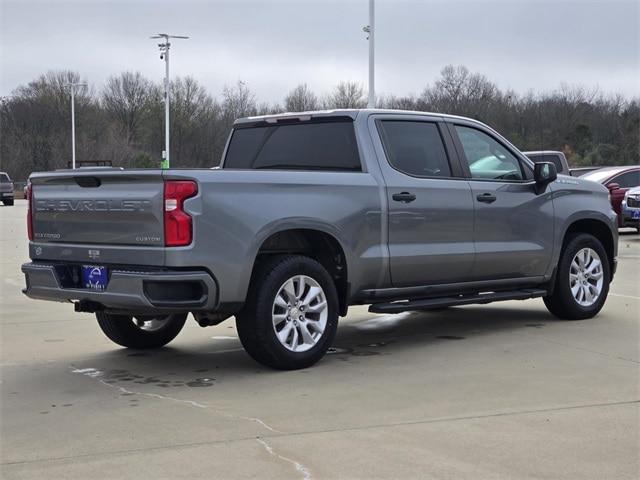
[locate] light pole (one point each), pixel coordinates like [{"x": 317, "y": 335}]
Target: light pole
[
  {"x": 73, "y": 86},
  {"x": 164, "y": 55},
  {"x": 370, "y": 29}
]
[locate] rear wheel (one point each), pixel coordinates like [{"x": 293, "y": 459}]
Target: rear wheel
[
  {"x": 291, "y": 314},
  {"x": 8, "y": 203},
  {"x": 143, "y": 331},
  {"x": 582, "y": 279}
]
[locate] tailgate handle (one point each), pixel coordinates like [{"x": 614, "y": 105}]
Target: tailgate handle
[{"x": 88, "y": 182}]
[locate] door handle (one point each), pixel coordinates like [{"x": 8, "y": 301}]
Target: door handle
[
  {"x": 486, "y": 198},
  {"x": 404, "y": 197}
]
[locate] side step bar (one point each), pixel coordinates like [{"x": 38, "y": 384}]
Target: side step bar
[{"x": 430, "y": 303}]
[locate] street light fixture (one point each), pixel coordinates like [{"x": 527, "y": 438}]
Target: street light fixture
[
  {"x": 73, "y": 86},
  {"x": 164, "y": 55}
]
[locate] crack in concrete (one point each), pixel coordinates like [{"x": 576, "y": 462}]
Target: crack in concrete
[
  {"x": 306, "y": 474},
  {"x": 330, "y": 430},
  {"x": 95, "y": 373}
]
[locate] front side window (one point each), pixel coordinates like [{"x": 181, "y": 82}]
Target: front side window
[
  {"x": 415, "y": 148},
  {"x": 487, "y": 158},
  {"x": 304, "y": 146}
]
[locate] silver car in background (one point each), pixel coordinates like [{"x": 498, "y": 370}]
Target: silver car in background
[{"x": 6, "y": 189}]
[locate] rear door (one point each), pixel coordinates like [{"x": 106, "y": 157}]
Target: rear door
[
  {"x": 513, "y": 225},
  {"x": 430, "y": 217}
]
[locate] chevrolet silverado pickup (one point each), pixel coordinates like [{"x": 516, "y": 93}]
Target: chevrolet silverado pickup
[{"x": 309, "y": 213}]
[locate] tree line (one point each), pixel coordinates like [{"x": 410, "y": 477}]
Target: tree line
[{"x": 123, "y": 122}]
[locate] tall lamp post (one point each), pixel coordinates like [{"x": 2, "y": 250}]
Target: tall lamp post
[
  {"x": 73, "y": 86},
  {"x": 164, "y": 55},
  {"x": 370, "y": 29}
]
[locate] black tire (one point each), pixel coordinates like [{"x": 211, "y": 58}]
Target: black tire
[
  {"x": 122, "y": 330},
  {"x": 8, "y": 203},
  {"x": 255, "y": 324},
  {"x": 561, "y": 302}
]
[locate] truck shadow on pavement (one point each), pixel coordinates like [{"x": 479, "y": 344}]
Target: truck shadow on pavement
[{"x": 222, "y": 359}]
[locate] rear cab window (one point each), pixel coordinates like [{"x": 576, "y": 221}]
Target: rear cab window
[{"x": 317, "y": 145}]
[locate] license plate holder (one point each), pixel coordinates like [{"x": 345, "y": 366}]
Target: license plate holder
[
  {"x": 635, "y": 215},
  {"x": 94, "y": 277}
]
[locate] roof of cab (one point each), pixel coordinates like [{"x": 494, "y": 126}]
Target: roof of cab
[{"x": 352, "y": 113}]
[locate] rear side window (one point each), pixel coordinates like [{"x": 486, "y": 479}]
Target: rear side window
[
  {"x": 415, "y": 148},
  {"x": 305, "y": 146},
  {"x": 547, "y": 157}
]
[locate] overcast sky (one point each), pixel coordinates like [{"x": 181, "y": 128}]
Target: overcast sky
[{"x": 275, "y": 44}]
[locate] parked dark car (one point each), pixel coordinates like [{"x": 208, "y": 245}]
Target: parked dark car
[
  {"x": 618, "y": 180},
  {"x": 6, "y": 189},
  {"x": 557, "y": 158}
]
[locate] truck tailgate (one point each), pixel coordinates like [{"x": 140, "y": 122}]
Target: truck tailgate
[{"x": 98, "y": 207}]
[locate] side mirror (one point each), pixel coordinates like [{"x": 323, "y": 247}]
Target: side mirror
[
  {"x": 613, "y": 186},
  {"x": 544, "y": 173}
]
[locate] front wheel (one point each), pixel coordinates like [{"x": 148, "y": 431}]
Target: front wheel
[
  {"x": 142, "y": 331},
  {"x": 291, "y": 314},
  {"x": 582, "y": 279}
]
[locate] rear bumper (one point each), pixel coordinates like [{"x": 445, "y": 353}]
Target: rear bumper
[
  {"x": 6, "y": 195},
  {"x": 127, "y": 290}
]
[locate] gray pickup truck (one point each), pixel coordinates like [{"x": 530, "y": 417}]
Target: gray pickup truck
[{"x": 311, "y": 213}]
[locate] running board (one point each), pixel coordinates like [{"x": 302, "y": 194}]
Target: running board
[{"x": 441, "y": 302}]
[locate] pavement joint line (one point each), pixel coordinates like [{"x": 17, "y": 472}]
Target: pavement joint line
[
  {"x": 624, "y": 296},
  {"x": 330, "y": 430},
  {"x": 584, "y": 349}
]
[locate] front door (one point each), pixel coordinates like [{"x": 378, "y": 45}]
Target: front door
[
  {"x": 513, "y": 225},
  {"x": 430, "y": 218}
]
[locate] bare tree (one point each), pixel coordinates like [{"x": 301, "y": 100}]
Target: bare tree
[
  {"x": 238, "y": 101},
  {"x": 346, "y": 95},
  {"x": 301, "y": 99},
  {"x": 126, "y": 98}
]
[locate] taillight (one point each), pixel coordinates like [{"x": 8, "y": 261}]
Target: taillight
[
  {"x": 29, "y": 211},
  {"x": 177, "y": 223}
]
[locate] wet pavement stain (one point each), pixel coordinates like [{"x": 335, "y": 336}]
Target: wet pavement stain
[
  {"x": 450, "y": 337},
  {"x": 201, "y": 382},
  {"x": 364, "y": 353},
  {"x": 118, "y": 376},
  {"x": 338, "y": 351}
]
